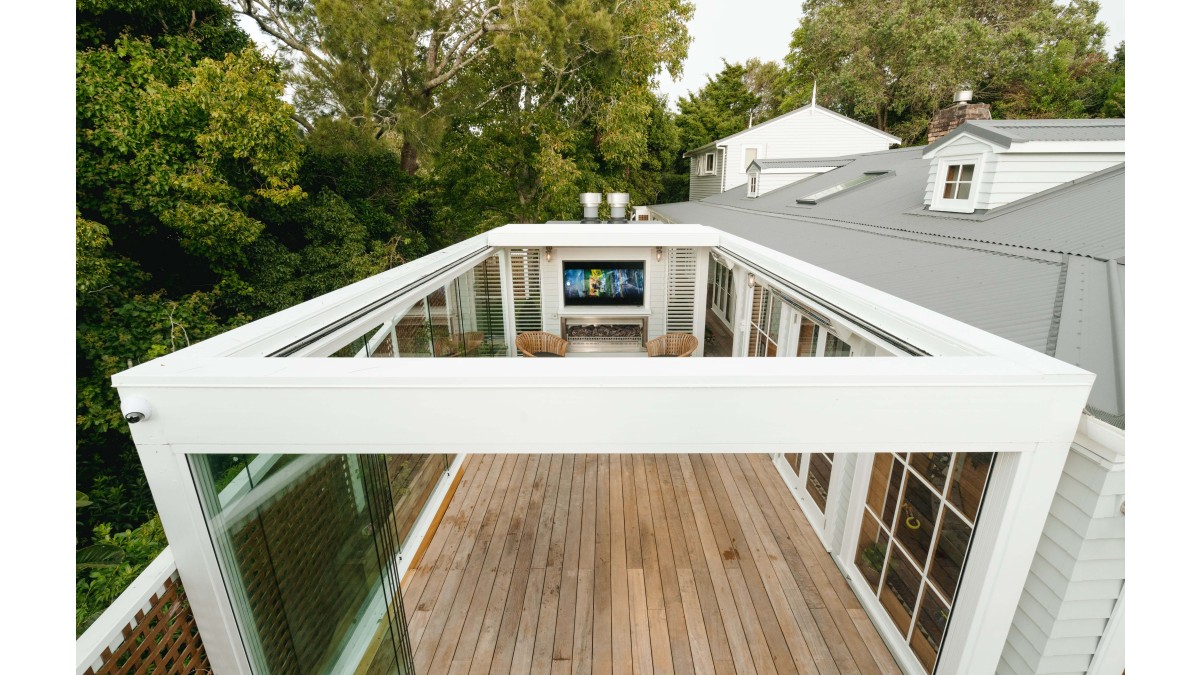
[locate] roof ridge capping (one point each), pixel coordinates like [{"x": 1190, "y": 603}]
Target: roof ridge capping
[
  {"x": 1006, "y": 132},
  {"x": 809, "y": 106}
]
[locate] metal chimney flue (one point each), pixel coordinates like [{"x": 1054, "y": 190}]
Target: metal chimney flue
[
  {"x": 591, "y": 206},
  {"x": 963, "y": 96},
  {"x": 617, "y": 201}
]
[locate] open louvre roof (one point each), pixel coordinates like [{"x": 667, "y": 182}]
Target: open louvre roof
[{"x": 1002, "y": 395}]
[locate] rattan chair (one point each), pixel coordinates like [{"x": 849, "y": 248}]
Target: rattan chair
[
  {"x": 672, "y": 344},
  {"x": 537, "y": 343}
]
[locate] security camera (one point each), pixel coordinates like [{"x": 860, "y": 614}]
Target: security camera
[{"x": 135, "y": 409}]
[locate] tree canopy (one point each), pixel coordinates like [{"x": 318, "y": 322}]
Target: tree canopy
[{"x": 893, "y": 63}]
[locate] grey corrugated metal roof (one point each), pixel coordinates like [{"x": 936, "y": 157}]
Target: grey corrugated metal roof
[
  {"x": 722, "y": 141},
  {"x": 800, "y": 163},
  {"x": 1033, "y": 271},
  {"x": 1007, "y": 132}
]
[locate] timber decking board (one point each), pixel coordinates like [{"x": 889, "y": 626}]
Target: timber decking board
[{"x": 599, "y": 564}]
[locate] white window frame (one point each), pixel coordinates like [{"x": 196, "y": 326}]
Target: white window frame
[
  {"x": 705, "y": 169},
  {"x": 752, "y": 184},
  {"x": 967, "y": 205},
  {"x": 744, "y": 166}
]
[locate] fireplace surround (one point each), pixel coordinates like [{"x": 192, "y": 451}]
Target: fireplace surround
[{"x": 605, "y": 333}]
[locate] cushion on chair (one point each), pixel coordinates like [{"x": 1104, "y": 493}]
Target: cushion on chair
[{"x": 540, "y": 354}]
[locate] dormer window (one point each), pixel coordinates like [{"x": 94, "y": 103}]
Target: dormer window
[
  {"x": 752, "y": 186},
  {"x": 957, "y": 188}
]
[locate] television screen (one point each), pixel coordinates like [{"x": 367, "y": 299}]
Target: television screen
[{"x": 617, "y": 282}]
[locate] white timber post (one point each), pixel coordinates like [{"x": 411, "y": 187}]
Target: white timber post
[
  {"x": 1014, "y": 511},
  {"x": 509, "y": 306},
  {"x": 175, "y": 495},
  {"x": 700, "y": 305}
]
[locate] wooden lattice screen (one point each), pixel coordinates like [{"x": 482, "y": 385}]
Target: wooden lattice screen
[{"x": 162, "y": 639}]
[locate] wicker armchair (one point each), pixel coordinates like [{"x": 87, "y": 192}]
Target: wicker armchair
[
  {"x": 672, "y": 344},
  {"x": 537, "y": 343}
]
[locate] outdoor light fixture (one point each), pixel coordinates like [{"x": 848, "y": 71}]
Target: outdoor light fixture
[
  {"x": 658, "y": 253},
  {"x": 750, "y": 280},
  {"x": 549, "y": 250}
]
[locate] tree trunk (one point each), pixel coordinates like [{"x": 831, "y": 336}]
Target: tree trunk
[{"x": 408, "y": 158}]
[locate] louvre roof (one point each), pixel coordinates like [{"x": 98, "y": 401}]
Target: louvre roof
[{"x": 1046, "y": 271}]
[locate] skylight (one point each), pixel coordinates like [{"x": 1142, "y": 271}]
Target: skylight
[{"x": 817, "y": 197}]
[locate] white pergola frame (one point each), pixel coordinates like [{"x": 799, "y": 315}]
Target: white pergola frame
[{"x": 975, "y": 393}]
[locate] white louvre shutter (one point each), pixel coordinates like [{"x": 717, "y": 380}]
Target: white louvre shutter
[
  {"x": 527, "y": 288},
  {"x": 681, "y": 290}
]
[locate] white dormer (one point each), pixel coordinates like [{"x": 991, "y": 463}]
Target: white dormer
[{"x": 986, "y": 164}]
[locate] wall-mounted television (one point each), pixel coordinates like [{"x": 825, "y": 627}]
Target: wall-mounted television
[{"x": 611, "y": 282}]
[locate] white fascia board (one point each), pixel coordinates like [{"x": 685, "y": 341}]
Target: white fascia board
[
  {"x": 948, "y": 148},
  {"x": 601, "y": 235},
  {"x": 296, "y": 405}
]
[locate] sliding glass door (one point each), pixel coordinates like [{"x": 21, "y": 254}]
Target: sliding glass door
[{"x": 308, "y": 547}]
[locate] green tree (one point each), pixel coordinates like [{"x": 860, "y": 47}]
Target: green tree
[
  {"x": 178, "y": 143},
  {"x": 723, "y": 106},
  {"x": 893, "y": 63}
]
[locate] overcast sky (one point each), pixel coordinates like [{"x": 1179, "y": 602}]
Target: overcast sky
[{"x": 726, "y": 29}]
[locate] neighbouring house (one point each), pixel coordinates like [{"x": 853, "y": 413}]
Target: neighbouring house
[
  {"x": 805, "y": 133},
  {"x": 1016, "y": 227}
]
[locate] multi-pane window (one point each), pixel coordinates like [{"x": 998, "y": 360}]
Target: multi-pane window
[
  {"x": 710, "y": 162},
  {"x": 751, "y": 154},
  {"x": 766, "y": 311},
  {"x": 834, "y": 346},
  {"x": 958, "y": 181},
  {"x": 807, "y": 344},
  {"x": 916, "y": 529},
  {"x": 721, "y": 280},
  {"x": 753, "y": 188}
]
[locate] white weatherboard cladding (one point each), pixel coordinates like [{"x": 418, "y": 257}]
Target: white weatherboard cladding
[
  {"x": 1007, "y": 174},
  {"x": 808, "y": 133},
  {"x": 1077, "y": 574}
]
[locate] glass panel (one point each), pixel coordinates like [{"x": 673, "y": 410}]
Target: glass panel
[
  {"x": 879, "y": 484},
  {"x": 364, "y": 345},
  {"x": 948, "y": 191},
  {"x": 918, "y": 516},
  {"x": 820, "y": 467},
  {"x": 306, "y": 545},
  {"x": 899, "y": 592},
  {"x": 968, "y": 171},
  {"x": 872, "y": 547},
  {"x": 950, "y": 553},
  {"x": 952, "y": 173},
  {"x": 968, "y": 480},
  {"x": 931, "y": 626},
  {"x": 853, "y": 182},
  {"x": 793, "y": 460},
  {"x": 412, "y": 332},
  {"x": 931, "y": 465},
  {"x": 964, "y": 191},
  {"x": 412, "y": 479},
  {"x": 751, "y": 155},
  {"x": 893, "y": 493},
  {"x": 835, "y": 347},
  {"x": 807, "y": 345}
]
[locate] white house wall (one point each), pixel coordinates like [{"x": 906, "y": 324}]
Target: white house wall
[
  {"x": 656, "y": 286},
  {"x": 1077, "y": 574},
  {"x": 809, "y": 133}
]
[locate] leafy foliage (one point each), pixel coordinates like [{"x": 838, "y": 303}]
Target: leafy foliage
[
  {"x": 127, "y": 554},
  {"x": 893, "y": 63}
]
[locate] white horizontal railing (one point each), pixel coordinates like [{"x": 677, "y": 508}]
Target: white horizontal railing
[{"x": 108, "y": 631}]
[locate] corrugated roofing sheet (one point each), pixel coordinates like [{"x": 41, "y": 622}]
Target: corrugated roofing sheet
[
  {"x": 1024, "y": 131},
  {"x": 1005, "y": 271}
]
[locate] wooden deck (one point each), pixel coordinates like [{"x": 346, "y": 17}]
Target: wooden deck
[{"x": 632, "y": 564}]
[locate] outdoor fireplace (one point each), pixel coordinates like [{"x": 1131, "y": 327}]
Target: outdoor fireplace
[{"x": 605, "y": 334}]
